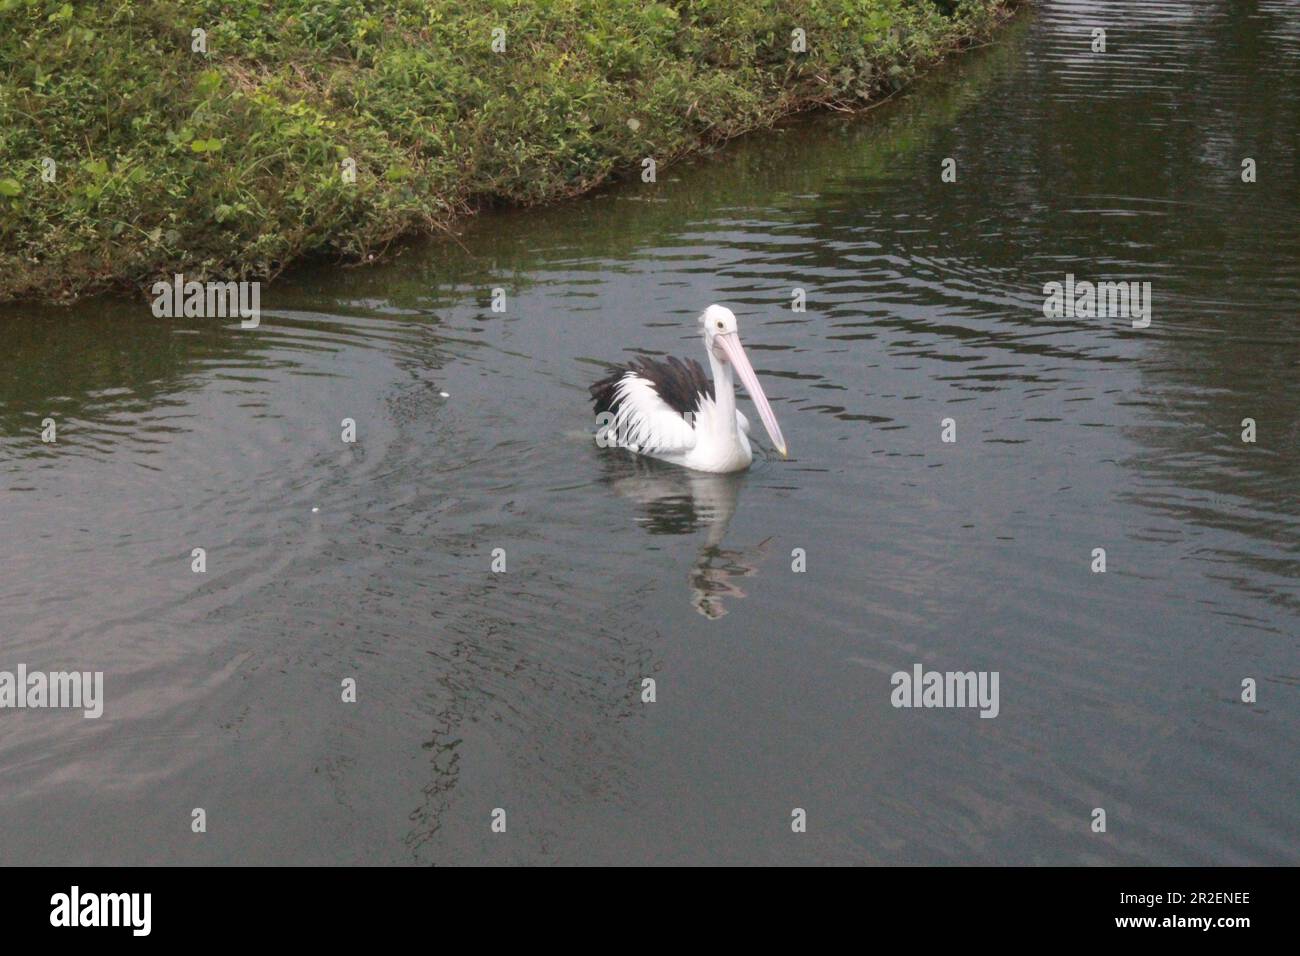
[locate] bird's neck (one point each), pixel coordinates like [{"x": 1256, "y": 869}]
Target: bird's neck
[{"x": 724, "y": 392}]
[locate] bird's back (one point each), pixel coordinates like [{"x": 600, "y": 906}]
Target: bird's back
[{"x": 679, "y": 383}]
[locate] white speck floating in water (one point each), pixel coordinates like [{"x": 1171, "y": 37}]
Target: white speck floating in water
[
  {"x": 314, "y": 510},
  {"x": 444, "y": 395}
]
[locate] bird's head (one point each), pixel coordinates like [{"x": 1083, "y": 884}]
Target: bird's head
[{"x": 722, "y": 339}]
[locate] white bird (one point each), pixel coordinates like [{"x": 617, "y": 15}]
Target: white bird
[{"x": 669, "y": 410}]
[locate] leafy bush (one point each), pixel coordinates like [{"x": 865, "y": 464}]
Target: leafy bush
[{"x": 228, "y": 163}]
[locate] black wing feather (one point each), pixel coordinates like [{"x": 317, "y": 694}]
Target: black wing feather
[{"x": 680, "y": 384}]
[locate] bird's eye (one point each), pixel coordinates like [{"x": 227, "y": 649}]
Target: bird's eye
[{"x": 719, "y": 325}]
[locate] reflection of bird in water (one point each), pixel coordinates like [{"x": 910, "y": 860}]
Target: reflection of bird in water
[
  {"x": 711, "y": 582},
  {"x": 676, "y": 501}
]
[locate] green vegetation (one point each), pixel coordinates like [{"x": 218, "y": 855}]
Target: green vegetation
[{"x": 231, "y": 163}]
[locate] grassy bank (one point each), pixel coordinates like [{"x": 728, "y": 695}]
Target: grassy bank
[{"x": 125, "y": 155}]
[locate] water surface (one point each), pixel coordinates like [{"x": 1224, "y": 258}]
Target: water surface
[{"x": 522, "y": 690}]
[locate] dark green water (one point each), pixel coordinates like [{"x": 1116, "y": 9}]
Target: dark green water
[{"x": 522, "y": 690}]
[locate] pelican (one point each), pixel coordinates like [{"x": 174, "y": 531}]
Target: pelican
[{"x": 670, "y": 411}]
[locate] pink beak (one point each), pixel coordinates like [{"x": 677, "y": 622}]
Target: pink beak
[{"x": 730, "y": 343}]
